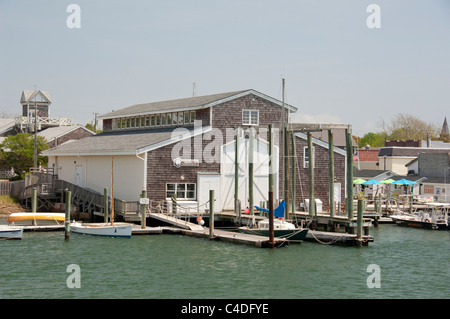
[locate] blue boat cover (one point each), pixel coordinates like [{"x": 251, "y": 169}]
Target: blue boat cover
[{"x": 278, "y": 212}]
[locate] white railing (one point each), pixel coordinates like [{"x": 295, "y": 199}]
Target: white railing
[{"x": 24, "y": 121}]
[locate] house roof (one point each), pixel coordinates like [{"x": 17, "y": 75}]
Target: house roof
[
  {"x": 125, "y": 142},
  {"x": 54, "y": 132},
  {"x": 321, "y": 143},
  {"x": 191, "y": 103}
]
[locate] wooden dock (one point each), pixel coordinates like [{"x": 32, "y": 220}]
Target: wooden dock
[
  {"x": 228, "y": 236},
  {"x": 335, "y": 238}
]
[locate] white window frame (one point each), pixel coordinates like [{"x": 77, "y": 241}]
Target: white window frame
[
  {"x": 305, "y": 154},
  {"x": 250, "y": 117},
  {"x": 185, "y": 191}
]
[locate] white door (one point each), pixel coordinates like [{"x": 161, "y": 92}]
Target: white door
[
  {"x": 79, "y": 176},
  {"x": 260, "y": 172},
  {"x": 205, "y": 183}
]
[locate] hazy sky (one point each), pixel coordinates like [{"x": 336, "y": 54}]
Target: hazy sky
[{"x": 337, "y": 69}]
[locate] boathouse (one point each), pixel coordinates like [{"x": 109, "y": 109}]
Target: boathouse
[{"x": 186, "y": 147}]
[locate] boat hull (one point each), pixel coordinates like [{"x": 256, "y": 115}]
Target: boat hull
[
  {"x": 101, "y": 229},
  {"x": 294, "y": 235},
  {"x": 19, "y": 217},
  {"x": 415, "y": 223},
  {"x": 11, "y": 233}
]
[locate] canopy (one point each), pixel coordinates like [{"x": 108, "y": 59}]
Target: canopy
[
  {"x": 358, "y": 181},
  {"x": 404, "y": 182},
  {"x": 371, "y": 182},
  {"x": 388, "y": 181}
]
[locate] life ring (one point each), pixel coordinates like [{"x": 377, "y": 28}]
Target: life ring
[{"x": 428, "y": 220}]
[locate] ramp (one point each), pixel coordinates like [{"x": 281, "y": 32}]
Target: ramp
[{"x": 175, "y": 221}]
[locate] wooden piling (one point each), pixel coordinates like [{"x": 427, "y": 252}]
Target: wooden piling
[
  {"x": 349, "y": 146},
  {"x": 286, "y": 173},
  {"x": 34, "y": 203},
  {"x": 271, "y": 242},
  {"x": 312, "y": 201},
  {"x": 143, "y": 211},
  {"x": 67, "y": 216},
  {"x": 211, "y": 214},
  {"x": 294, "y": 168},
  {"x": 331, "y": 172},
  {"x": 105, "y": 205},
  {"x": 359, "y": 221},
  {"x": 250, "y": 171},
  {"x": 236, "y": 173}
]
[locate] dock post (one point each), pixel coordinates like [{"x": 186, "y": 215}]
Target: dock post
[
  {"x": 286, "y": 173},
  {"x": 105, "y": 205},
  {"x": 331, "y": 172},
  {"x": 294, "y": 169},
  {"x": 67, "y": 216},
  {"x": 142, "y": 209},
  {"x": 349, "y": 146},
  {"x": 271, "y": 163},
  {"x": 236, "y": 173},
  {"x": 359, "y": 222},
  {"x": 34, "y": 203},
  {"x": 211, "y": 214},
  {"x": 312, "y": 201},
  {"x": 250, "y": 171}
]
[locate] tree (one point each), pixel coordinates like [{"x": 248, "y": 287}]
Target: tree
[
  {"x": 17, "y": 151},
  {"x": 90, "y": 126},
  {"x": 372, "y": 139},
  {"x": 408, "y": 127}
]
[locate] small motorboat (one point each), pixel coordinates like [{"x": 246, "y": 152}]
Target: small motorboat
[{"x": 10, "y": 232}]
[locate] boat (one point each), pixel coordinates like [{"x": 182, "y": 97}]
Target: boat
[
  {"x": 9, "y": 232},
  {"x": 102, "y": 229},
  {"x": 20, "y": 217},
  {"x": 434, "y": 216},
  {"x": 281, "y": 227}
]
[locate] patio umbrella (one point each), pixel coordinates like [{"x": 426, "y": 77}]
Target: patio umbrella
[
  {"x": 388, "y": 181},
  {"x": 371, "y": 182},
  {"x": 404, "y": 182},
  {"x": 358, "y": 181}
]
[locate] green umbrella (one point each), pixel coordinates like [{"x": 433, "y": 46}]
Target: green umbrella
[
  {"x": 358, "y": 181},
  {"x": 388, "y": 181}
]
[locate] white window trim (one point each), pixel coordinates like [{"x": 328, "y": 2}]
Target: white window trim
[
  {"x": 250, "y": 117},
  {"x": 185, "y": 190},
  {"x": 305, "y": 152}
]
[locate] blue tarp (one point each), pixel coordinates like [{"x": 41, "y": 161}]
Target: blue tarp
[{"x": 278, "y": 212}]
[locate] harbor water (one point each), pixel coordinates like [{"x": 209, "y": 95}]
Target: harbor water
[{"x": 400, "y": 263}]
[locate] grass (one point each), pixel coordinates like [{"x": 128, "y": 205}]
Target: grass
[{"x": 6, "y": 199}]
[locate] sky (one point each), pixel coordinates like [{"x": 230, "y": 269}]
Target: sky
[{"x": 336, "y": 68}]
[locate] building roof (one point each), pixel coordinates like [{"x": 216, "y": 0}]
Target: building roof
[
  {"x": 339, "y": 138},
  {"x": 370, "y": 155},
  {"x": 27, "y": 95},
  {"x": 191, "y": 103},
  {"x": 55, "y": 132},
  {"x": 6, "y": 124},
  {"x": 124, "y": 142},
  {"x": 408, "y": 151}
]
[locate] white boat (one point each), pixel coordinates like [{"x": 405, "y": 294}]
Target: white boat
[
  {"x": 435, "y": 216},
  {"x": 282, "y": 229},
  {"x": 102, "y": 229},
  {"x": 9, "y": 232}
]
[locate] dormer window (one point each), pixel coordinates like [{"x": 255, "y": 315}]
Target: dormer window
[{"x": 250, "y": 117}]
